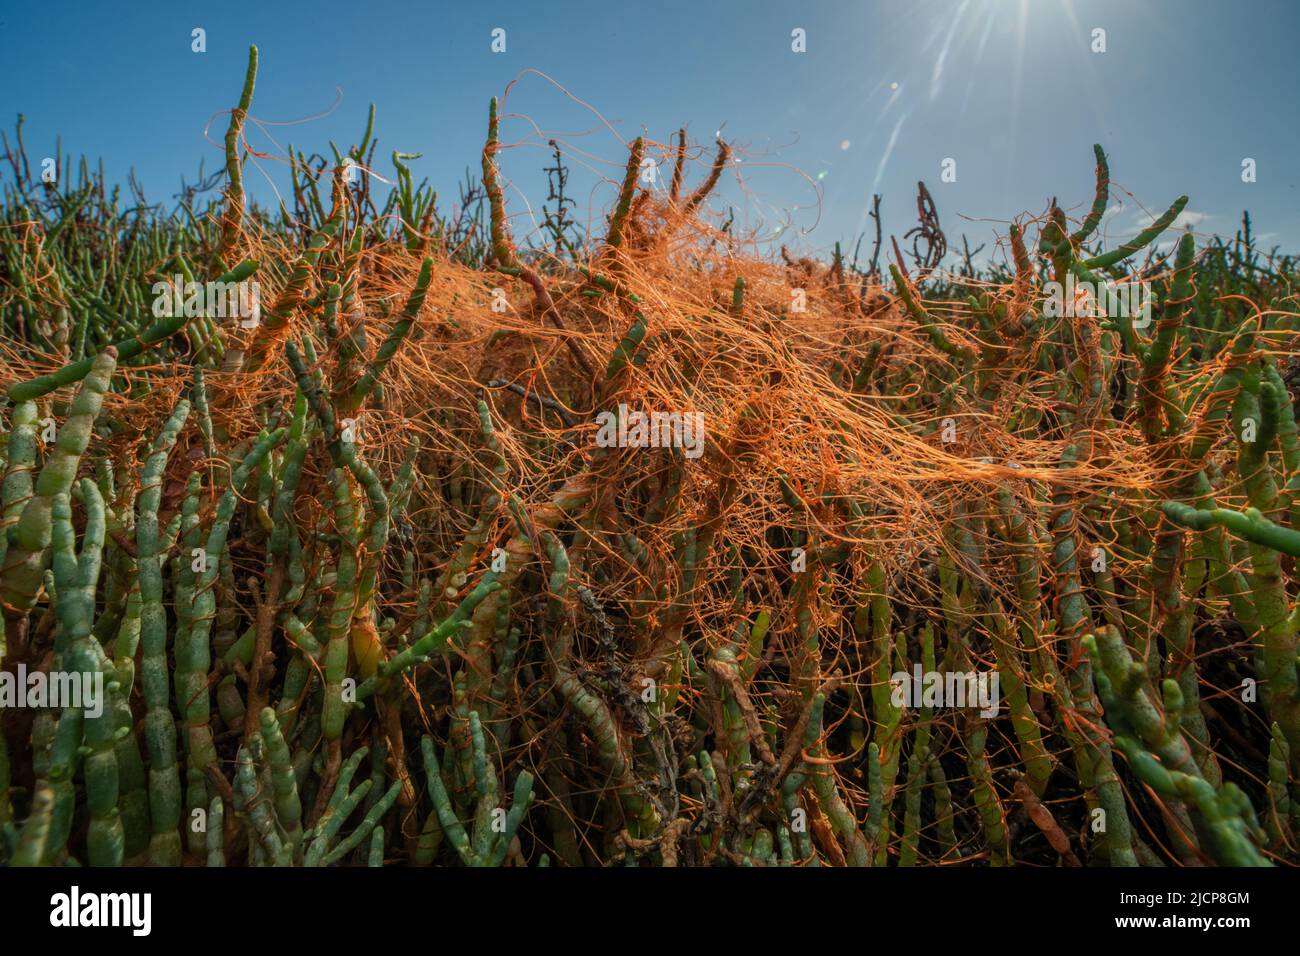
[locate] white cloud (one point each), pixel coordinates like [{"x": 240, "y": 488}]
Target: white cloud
[
  {"x": 889, "y": 151},
  {"x": 1188, "y": 219}
]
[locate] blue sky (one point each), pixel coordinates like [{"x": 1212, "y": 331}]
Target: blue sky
[{"x": 1009, "y": 89}]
